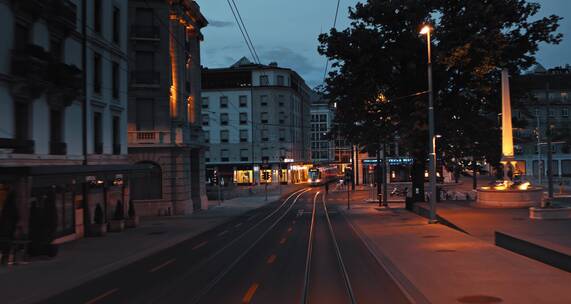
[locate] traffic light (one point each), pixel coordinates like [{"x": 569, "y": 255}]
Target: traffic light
[{"x": 265, "y": 175}]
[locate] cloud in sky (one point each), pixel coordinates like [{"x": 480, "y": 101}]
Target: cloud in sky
[
  {"x": 295, "y": 60},
  {"x": 286, "y": 32},
  {"x": 286, "y": 57}
]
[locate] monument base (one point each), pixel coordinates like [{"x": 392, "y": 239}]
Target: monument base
[{"x": 512, "y": 198}]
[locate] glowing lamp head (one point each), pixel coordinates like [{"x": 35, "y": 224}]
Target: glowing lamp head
[{"x": 425, "y": 30}]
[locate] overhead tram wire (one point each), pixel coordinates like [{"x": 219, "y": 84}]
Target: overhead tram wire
[
  {"x": 166, "y": 26},
  {"x": 334, "y": 25},
  {"x": 246, "y": 31},
  {"x": 248, "y": 42}
]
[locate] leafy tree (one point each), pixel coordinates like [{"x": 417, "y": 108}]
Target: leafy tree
[{"x": 382, "y": 54}]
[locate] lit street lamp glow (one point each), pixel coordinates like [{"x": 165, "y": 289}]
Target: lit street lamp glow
[{"x": 425, "y": 30}]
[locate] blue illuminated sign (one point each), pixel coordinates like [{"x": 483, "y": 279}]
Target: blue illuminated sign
[{"x": 392, "y": 161}]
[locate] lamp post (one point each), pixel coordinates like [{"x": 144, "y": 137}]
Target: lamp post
[{"x": 431, "y": 139}]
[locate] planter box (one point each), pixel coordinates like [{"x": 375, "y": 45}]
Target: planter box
[
  {"x": 132, "y": 222},
  {"x": 98, "y": 229},
  {"x": 116, "y": 225},
  {"x": 552, "y": 213}
]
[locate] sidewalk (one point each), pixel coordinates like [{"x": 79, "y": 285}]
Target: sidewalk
[
  {"x": 88, "y": 258},
  {"x": 483, "y": 222},
  {"x": 437, "y": 264},
  {"x": 548, "y": 236}
]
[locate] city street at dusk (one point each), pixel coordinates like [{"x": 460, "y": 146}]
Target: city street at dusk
[{"x": 264, "y": 151}]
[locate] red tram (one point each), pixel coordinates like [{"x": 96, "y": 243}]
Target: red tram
[{"x": 322, "y": 175}]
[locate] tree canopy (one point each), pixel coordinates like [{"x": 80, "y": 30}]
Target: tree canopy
[{"x": 378, "y": 74}]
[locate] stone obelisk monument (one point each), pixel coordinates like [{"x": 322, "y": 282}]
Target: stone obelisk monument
[
  {"x": 507, "y": 195},
  {"x": 507, "y": 130}
]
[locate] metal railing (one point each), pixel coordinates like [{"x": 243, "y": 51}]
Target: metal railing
[{"x": 151, "y": 137}]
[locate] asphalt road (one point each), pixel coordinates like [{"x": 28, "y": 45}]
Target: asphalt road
[{"x": 260, "y": 257}]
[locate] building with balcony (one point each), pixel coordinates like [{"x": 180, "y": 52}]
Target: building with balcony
[
  {"x": 164, "y": 101},
  {"x": 63, "y": 115},
  {"x": 256, "y": 123},
  {"x": 541, "y": 99}
]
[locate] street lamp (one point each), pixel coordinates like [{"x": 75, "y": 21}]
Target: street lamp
[{"x": 431, "y": 138}]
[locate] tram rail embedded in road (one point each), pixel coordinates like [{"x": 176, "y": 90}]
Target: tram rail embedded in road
[
  {"x": 223, "y": 273},
  {"x": 340, "y": 262}
]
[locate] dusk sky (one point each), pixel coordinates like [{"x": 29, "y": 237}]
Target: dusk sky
[{"x": 286, "y": 32}]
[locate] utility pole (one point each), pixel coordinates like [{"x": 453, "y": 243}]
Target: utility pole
[
  {"x": 357, "y": 164},
  {"x": 220, "y": 183},
  {"x": 379, "y": 174},
  {"x": 539, "y": 166},
  {"x": 385, "y": 177},
  {"x": 84, "y": 189},
  {"x": 549, "y": 139},
  {"x": 431, "y": 138},
  {"x": 354, "y": 168},
  {"x": 348, "y": 197},
  {"x": 474, "y": 168},
  {"x": 347, "y": 179}
]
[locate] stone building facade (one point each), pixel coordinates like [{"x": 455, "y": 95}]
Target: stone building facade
[
  {"x": 164, "y": 100},
  {"x": 63, "y": 110},
  {"x": 542, "y": 99},
  {"x": 326, "y": 147},
  {"x": 256, "y": 122}
]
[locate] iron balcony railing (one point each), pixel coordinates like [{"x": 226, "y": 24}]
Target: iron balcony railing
[{"x": 151, "y": 137}]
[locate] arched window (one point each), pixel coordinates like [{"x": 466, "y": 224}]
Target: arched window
[{"x": 148, "y": 185}]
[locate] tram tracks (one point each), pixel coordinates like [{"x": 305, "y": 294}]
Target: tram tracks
[
  {"x": 286, "y": 208},
  {"x": 309, "y": 256}
]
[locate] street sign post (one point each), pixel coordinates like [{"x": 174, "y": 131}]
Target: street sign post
[
  {"x": 348, "y": 179},
  {"x": 266, "y": 178}
]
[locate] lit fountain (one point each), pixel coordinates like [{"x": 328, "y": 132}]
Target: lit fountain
[{"x": 508, "y": 194}]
